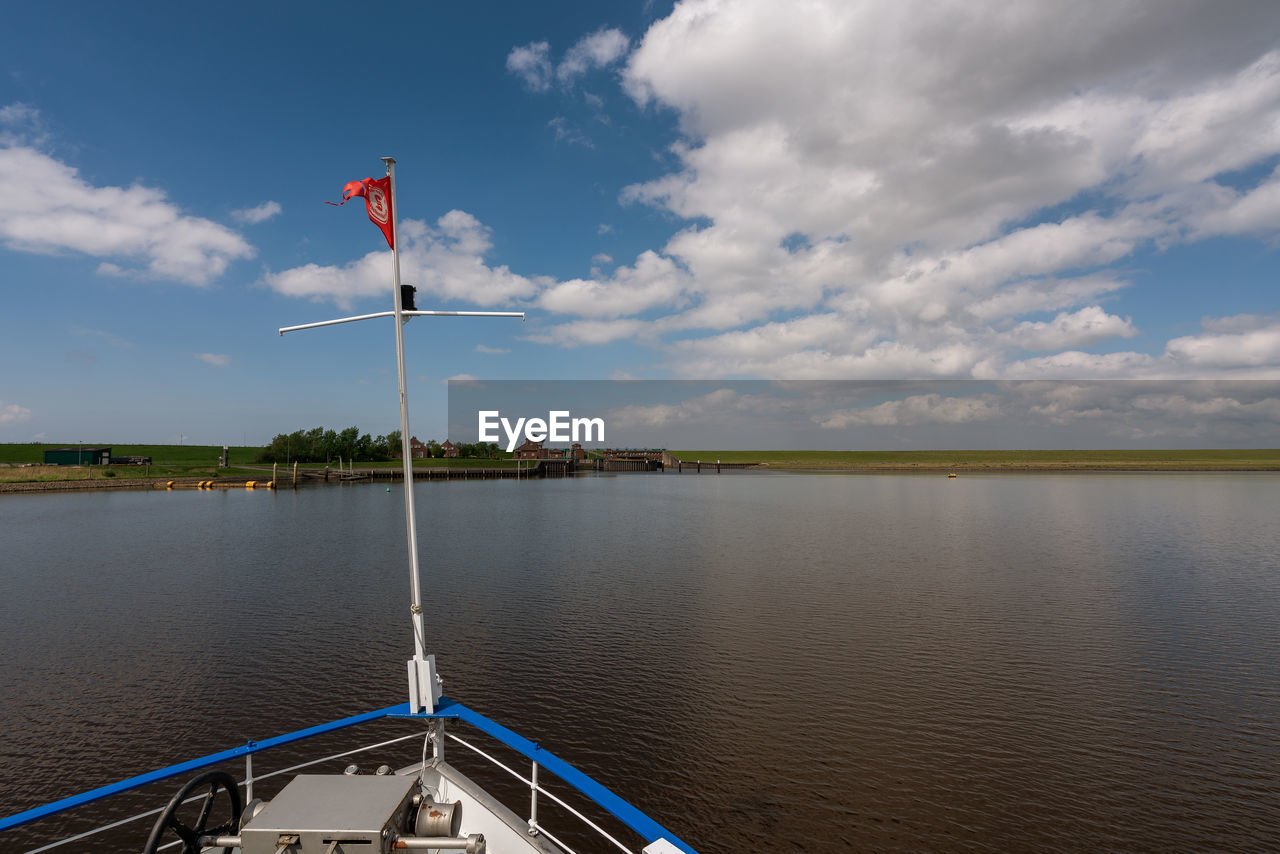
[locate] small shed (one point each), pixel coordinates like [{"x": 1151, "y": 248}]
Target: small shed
[{"x": 80, "y": 455}]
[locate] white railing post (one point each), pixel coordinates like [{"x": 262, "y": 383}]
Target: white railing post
[
  {"x": 533, "y": 801},
  {"x": 248, "y": 777}
]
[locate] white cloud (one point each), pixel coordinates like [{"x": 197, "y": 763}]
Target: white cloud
[
  {"x": 881, "y": 166},
  {"x": 882, "y": 360},
  {"x": 446, "y": 261},
  {"x": 259, "y": 213},
  {"x": 218, "y": 360},
  {"x": 1248, "y": 348},
  {"x": 771, "y": 340},
  {"x": 12, "y": 413},
  {"x": 531, "y": 64},
  {"x": 916, "y": 409},
  {"x": 492, "y": 351},
  {"x": 712, "y": 405},
  {"x": 598, "y": 50},
  {"x": 1083, "y": 328},
  {"x": 18, "y": 113},
  {"x": 20, "y": 124},
  {"x": 1244, "y": 346},
  {"x": 586, "y": 332},
  {"x": 914, "y": 188},
  {"x": 652, "y": 281},
  {"x": 46, "y": 207},
  {"x": 720, "y": 406},
  {"x": 1074, "y": 364},
  {"x": 1254, "y": 212}
]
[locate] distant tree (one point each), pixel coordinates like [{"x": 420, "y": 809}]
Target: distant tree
[
  {"x": 321, "y": 445},
  {"x": 393, "y": 445}
]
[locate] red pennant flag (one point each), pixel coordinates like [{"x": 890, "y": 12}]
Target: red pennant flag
[{"x": 377, "y": 202}]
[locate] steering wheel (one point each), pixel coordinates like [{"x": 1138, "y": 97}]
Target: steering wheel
[{"x": 217, "y": 781}]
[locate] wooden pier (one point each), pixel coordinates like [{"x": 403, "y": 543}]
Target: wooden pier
[
  {"x": 697, "y": 466},
  {"x": 647, "y": 462}
]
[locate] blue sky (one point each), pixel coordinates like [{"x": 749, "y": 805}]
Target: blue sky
[{"x": 695, "y": 190}]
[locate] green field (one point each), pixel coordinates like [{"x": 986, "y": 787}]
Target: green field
[
  {"x": 1267, "y": 459},
  {"x": 179, "y": 461},
  {"x": 161, "y": 455},
  {"x": 167, "y": 461}
]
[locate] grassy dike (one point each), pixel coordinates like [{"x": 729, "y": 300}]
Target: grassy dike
[{"x": 1265, "y": 459}]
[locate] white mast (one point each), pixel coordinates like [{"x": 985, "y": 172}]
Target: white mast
[{"x": 424, "y": 684}]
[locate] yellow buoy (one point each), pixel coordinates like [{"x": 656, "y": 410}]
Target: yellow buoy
[
  {"x": 250, "y": 484},
  {"x": 953, "y": 474}
]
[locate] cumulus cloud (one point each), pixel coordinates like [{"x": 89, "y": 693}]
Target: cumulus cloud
[
  {"x": 217, "y": 360},
  {"x": 720, "y": 406},
  {"x": 259, "y": 213},
  {"x": 916, "y": 409},
  {"x": 12, "y": 413},
  {"x": 1244, "y": 346},
  {"x": 1254, "y": 347},
  {"x": 906, "y": 188},
  {"x": 653, "y": 280},
  {"x": 445, "y": 260},
  {"x": 1087, "y": 326},
  {"x": 46, "y": 207},
  {"x": 492, "y": 351},
  {"x": 885, "y": 163},
  {"x": 586, "y": 332}
]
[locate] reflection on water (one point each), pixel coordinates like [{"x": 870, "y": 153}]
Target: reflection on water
[{"x": 764, "y": 661}]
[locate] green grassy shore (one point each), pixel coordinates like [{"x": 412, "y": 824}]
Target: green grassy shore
[
  {"x": 1265, "y": 459},
  {"x": 22, "y": 463}
]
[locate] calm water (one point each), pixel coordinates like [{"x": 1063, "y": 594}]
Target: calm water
[{"x": 818, "y": 663}]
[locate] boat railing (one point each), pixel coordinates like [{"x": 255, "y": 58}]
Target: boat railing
[
  {"x": 645, "y": 827},
  {"x": 535, "y": 789}
]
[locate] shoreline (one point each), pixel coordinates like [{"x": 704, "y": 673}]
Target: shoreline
[{"x": 21, "y": 487}]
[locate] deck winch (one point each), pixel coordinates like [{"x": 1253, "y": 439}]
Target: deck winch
[{"x": 339, "y": 814}]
